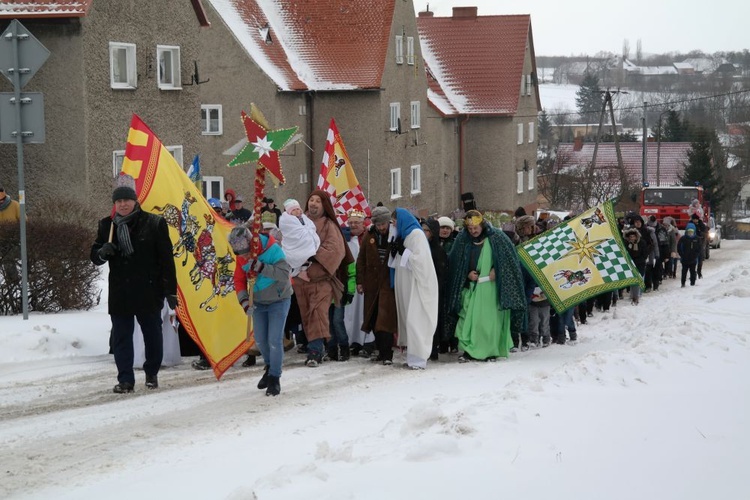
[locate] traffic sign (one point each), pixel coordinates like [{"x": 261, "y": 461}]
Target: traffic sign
[{"x": 31, "y": 53}]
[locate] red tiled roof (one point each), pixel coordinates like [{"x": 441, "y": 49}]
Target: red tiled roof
[
  {"x": 672, "y": 156},
  {"x": 23, "y": 9},
  {"x": 474, "y": 63},
  {"x": 315, "y": 44}
]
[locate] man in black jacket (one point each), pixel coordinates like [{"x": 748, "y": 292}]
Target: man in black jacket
[{"x": 141, "y": 275}]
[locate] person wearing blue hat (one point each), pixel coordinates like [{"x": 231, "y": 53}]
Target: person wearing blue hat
[{"x": 689, "y": 248}]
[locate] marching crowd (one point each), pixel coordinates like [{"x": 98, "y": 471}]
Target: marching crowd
[{"x": 369, "y": 287}]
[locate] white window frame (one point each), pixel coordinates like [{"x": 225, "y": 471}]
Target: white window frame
[
  {"x": 206, "y": 110},
  {"x": 531, "y": 179},
  {"x": 410, "y": 50},
  {"x": 519, "y": 182},
  {"x": 416, "y": 115},
  {"x": 131, "y": 77},
  {"x": 416, "y": 179},
  {"x": 303, "y": 178},
  {"x": 395, "y": 183},
  {"x": 531, "y": 132},
  {"x": 117, "y": 158},
  {"x": 176, "y": 151},
  {"x": 520, "y": 133},
  {"x": 395, "y": 116},
  {"x": 399, "y": 49},
  {"x": 528, "y": 84},
  {"x": 176, "y": 82},
  {"x": 523, "y": 85},
  {"x": 207, "y": 181}
]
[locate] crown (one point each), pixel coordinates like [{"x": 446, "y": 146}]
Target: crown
[{"x": 355, "y": 212}]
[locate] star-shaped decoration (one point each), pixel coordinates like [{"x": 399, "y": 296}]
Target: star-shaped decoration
[
  {"x": 263, "y": 145},
  {"x": 584, "y": 249}
]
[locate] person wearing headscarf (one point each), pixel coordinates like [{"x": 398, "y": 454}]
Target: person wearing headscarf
[
  {"x": 416, "y": 287},
  {"x": 322, "y": 282},
  {"x": 486, "y": 295},
  {"x": 137, "y": 247}
]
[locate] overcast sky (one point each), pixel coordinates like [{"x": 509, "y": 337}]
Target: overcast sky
[{"x": 589, "y": 26}]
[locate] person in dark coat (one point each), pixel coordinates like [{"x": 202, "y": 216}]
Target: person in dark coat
[
  {"x": 142, "y": 274},
  {"x": 271, "y": 207},
  {"x": 374, "y": 281},
  {"x": 431, "y": 229},
  {"x": 689, "y": 247},
  {"x": 638, "y": 251}
]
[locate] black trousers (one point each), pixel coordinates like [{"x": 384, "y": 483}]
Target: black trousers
[
  {"x": 122, "y": 344},
  {"x": 384, "y": 345},
  {"x": 685, "y": 269}
]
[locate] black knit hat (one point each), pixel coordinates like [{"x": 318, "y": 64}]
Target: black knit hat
[{"x": 124, "y": 193}]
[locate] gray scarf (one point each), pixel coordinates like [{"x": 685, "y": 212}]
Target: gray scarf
[
  {"x": 123, "y": 233},
  {"x": 5, "y": 203}
]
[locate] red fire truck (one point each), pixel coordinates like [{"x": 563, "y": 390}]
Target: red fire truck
[{"x": 673, "y": 201}]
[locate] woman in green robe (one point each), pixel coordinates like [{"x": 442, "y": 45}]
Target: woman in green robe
[{"x": 485, "y": 293}]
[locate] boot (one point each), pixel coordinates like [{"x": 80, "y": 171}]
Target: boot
[
  {"x": 288, "y": 343},
  {"x": 344, "y": 353},
  {"x": 274, "y": 386},
  {"x": 263, "y": 382},
  {"x": 333, "y": 353}
]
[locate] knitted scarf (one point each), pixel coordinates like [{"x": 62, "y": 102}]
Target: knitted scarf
[
  {"x": 123, "y": 232},
  {"x": 5, "y": 203}
]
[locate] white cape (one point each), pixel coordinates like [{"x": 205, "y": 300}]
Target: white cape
[{"x": 354, "y": 313}]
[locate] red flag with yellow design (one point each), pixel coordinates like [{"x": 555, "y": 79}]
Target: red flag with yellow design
[{"x": 208, "y": 308}]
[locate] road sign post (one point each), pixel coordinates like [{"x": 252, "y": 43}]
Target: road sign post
[{"x": 19, "y": 62}]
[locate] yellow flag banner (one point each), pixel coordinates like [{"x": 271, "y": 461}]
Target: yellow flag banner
[
  {"x": 580, "y": 258},
  {"x": 208, "y": 308}
]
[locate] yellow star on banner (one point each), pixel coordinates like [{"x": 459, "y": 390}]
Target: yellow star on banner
[{"x": 584, "y": 248}]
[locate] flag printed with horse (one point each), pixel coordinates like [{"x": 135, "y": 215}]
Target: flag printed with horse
[
  {"x": 208, "y": 308},
  {"x": 337, "y": 178},
  {"x": 580, "y": 258}
]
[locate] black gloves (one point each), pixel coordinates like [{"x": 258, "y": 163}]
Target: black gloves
[
  {"x": 172, "y": 301},
  {"x": 346, "y": 299},
  {"x": 107, "y": 251}
]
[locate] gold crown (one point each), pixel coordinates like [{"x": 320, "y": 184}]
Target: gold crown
[
  {"x": 355, "y": 212},
  {"x": 473, "y": 220}
]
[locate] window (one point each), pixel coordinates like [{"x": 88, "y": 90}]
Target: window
[
  {"x": 395, "y": 126},
  {"x": 176, "y": 151},
  {"x": 399, "y": 49},
  {"x": 416, "y": 179},
  {"x": 303, "y": 178},
  {"x": 410, "y": 50},
  {"x": 520, "y": 133},
  {"x": 519, "y": 182},
  {"x": 395, "y": 183},
  {"x": 168, "y": 67},
  {"x": 531, "y": 179},
  {"x": 523, "y": 85},
  {"x": 117, "y": 158},
  {"x": 211, "y": 119},
  {"x": 528, "y": 84},
  {"x": 416, "y": 119},
  {"x": 213, "y": 187},
  {"x": 122, "y": 68},
  {"x": 531, "y": 132}
]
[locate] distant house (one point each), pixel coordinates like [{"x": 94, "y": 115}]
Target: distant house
[
  {"x": 481, "y": 73},
  {"x": 108, "y": 60},
  {"x": 670, "y": 157}
]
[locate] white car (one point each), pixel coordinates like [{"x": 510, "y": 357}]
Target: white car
[{"x": 714, "y": 234}]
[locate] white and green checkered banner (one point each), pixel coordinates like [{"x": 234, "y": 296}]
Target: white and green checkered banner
[{"x": 580, "y": 258}]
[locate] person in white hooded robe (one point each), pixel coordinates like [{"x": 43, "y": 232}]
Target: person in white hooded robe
[
  {"x": 416, "y": 288},
  {"x": 354, "y": 312}
]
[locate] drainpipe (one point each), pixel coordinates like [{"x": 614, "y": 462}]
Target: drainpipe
[
  {"x": 309, "y": 103},
  {"x": 461, "y": 125}
]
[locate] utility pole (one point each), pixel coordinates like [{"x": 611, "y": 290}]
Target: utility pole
[
  {"x": 608, "y": 102},
  {"x": 644, "y": 160}
]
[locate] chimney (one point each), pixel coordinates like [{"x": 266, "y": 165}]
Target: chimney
[
  {"x": 426, "y": 13},
  {"x": 465, "y": 12},
  {"x": 578, "y": 143}
]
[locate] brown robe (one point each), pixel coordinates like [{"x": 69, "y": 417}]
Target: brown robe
[
  {"x": 374, "y": 276},
  {"x": 314, "y": 297}
]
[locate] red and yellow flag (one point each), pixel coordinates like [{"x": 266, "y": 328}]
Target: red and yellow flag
[
  {"x": 337, "y": 177},
  {"x": 208, "y": 308}
]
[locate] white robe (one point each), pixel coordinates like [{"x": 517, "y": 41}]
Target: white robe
[
  {"x": 416, "y": 288},
  {"x": 299, "y": 240},
  {"x": 171, "y": 341},
  {"x": 354, "y": 313}
]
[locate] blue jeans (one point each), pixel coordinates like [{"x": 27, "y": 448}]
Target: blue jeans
[
  {"x": 122, "y": 343},
  {"x": 268, "y": 323},
  {"x": 339, "y": 336}
]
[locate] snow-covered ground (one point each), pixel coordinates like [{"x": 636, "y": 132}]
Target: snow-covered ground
[{"x": 653, "y": 403}]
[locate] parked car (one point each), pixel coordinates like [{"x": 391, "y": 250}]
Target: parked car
[{"x": 714, "y": 234}]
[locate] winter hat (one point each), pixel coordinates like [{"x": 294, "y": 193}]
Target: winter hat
[
  {"x": 239, "y": 198},
  {"x": 214, "y": 203},
  {"x": 380, "y": 215},
  {"x": 524, "y": 221},
  {"x": 668, "y": 221},
  {"x": 290, "y": 205},
  {"x": 694, "y": 217},
  {"x": 124, "y": 193},
  {"x": 239, "y": 240},
  {"x": 690, "y": 227},
  {"x": 446, "y": 222}
]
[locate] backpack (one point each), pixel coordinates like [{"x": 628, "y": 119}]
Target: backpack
[{"x": 661, "y": 236}]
